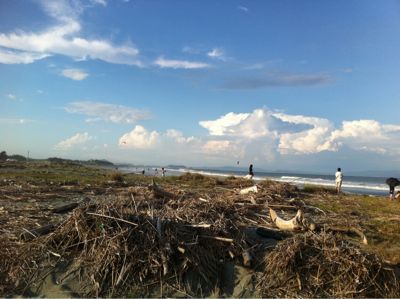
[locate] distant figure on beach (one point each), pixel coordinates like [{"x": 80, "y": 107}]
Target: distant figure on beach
[
  {"x": 338, "y": 180},
  {"x": 251, "y": 173},
  {"x": 392, "y": 182},
  {"x": 163, "y": 171},
  {"x": 143, "y": 171}
]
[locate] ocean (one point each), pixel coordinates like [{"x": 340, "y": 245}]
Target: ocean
[{"x": 351, "y": 184}]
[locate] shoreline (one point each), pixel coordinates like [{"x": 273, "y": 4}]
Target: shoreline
[{"x": 299, "y": 182}]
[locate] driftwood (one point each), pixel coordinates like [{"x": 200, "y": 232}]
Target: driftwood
[
  {"x": 297, "y": 223},
  {"x": 349, "y": 231},
  {"x": 249, "y": 189},
  {"x": 34, "y": 233},
  {"x": 271, "y": 233},
  {"x": 159, "y": 192},
  {"x": 164, "y": 259},
  {"x": 247, "y": 258},
  {"x": 65, "y": 208},
  {"x": 294, "y": 224}
]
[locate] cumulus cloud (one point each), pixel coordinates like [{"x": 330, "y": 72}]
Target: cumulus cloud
[
  {"x": 259, "y": 123},
  {"x": 62, "y": 39},
  {"x": 77, "y": 139},
  {"x": 308, "y": 141},
  {"x": 139, "y": 138},
  {"x": 298, "y": 134},
  {"x": 217, "y": 146},
  {"x": 367, "y": 135},
  {"x": 75, "y": 74},
  {"x": 178, "y": 136},
  {"x": 107, "y": 112},
  {"x": 276, "y": 80},
  {"x": 179, "y": 64}
]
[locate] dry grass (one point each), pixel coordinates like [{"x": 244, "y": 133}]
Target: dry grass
[
  {"x": 323, "y": 265},
  {"x": 127, "y": 237}
]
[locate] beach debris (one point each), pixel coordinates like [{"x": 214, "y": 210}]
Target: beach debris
[
  {"x": 324, "y": 265},
  {"x": 65, "y": 207},
  {"x": 271, "y": 233},
  {"x": 130, "y": 239},
  {"x": 248, "y": 190},
  {"x": 294, "y": 224},
  {"x": 36, "y": 232},
  {"x": 248, "y": 177},
  {"x": 349, "y": 231},
  {"x": 159, "y": 192},
  {"x": 247, "y": 258}
]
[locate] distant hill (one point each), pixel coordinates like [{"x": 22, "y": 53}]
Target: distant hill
[{"x": 103, "y": 163}]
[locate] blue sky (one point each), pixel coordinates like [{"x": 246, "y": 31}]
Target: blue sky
[{"x": 295, "y": 85}]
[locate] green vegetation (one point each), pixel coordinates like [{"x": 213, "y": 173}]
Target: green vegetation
[{"x": 378, "y": 216}]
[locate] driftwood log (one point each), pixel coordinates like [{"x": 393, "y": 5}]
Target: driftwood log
[
  {"x": 65, "y": 208},
  {"x": 34, "y": 233},
  {"x": 159, "y": 192},
  {"x": 351, "y": 231},
  {"x": 248, "y": 190},
  {"x": 297, "y": 223},
  {"x": 271, "y": 233}
]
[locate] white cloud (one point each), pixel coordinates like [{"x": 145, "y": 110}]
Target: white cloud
[
  {"x": 75, "y": 74},
  {"x": 368, "y": 135},
  {"x": 221, "y": 126},
  {"x": 62, "y": 39},
  {"x": 12, "y": 96},
  {"x": 19, "y": 57},
  {"x": 308, "y": 141},
  {"x": 217, "y": 53},
  {"x": 217, "y": 146},
  {"x": 259, "y": 123},
  {"x": 15, "y": 121},
  {"x": 180, "y": 64},
  {"x": 243, "y": 8},
  {"x": 101, "y": 2},
  {"x": 299, "y": 134},
  {"x": 178, "y": 136},
  {"x": 77, "y": 139},
  {"x": 139, "y": 138},
  {"x": 107, "y": 112}
]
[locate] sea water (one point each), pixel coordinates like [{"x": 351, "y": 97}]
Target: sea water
[{"x": 351, "y": 184}]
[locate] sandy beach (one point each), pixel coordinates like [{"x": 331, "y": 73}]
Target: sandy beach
[{"x": 69, "y": 230}]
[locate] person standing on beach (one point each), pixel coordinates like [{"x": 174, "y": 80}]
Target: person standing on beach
[
  {"x": 392, "y": 182},
  {"x": 163, "y": 171},
  {"x": 338, "y": 179},
  {"x": 251, "y": 173}
]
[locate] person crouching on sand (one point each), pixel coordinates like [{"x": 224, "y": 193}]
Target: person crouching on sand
[{"x": 338, "y": 180}]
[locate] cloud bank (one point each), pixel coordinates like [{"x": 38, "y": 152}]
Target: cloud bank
[
  {"x": 77, "y": 139},
  {"x": 62, "y": 39},
  {"x": 107, "y": 112}
]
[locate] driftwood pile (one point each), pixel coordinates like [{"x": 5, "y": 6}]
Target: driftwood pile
[
  {"x": 324, "y": 265},
  {"x": 167, "y": 242}
]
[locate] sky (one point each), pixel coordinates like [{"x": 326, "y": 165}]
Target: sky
[{"x": 284, "y": 85}]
